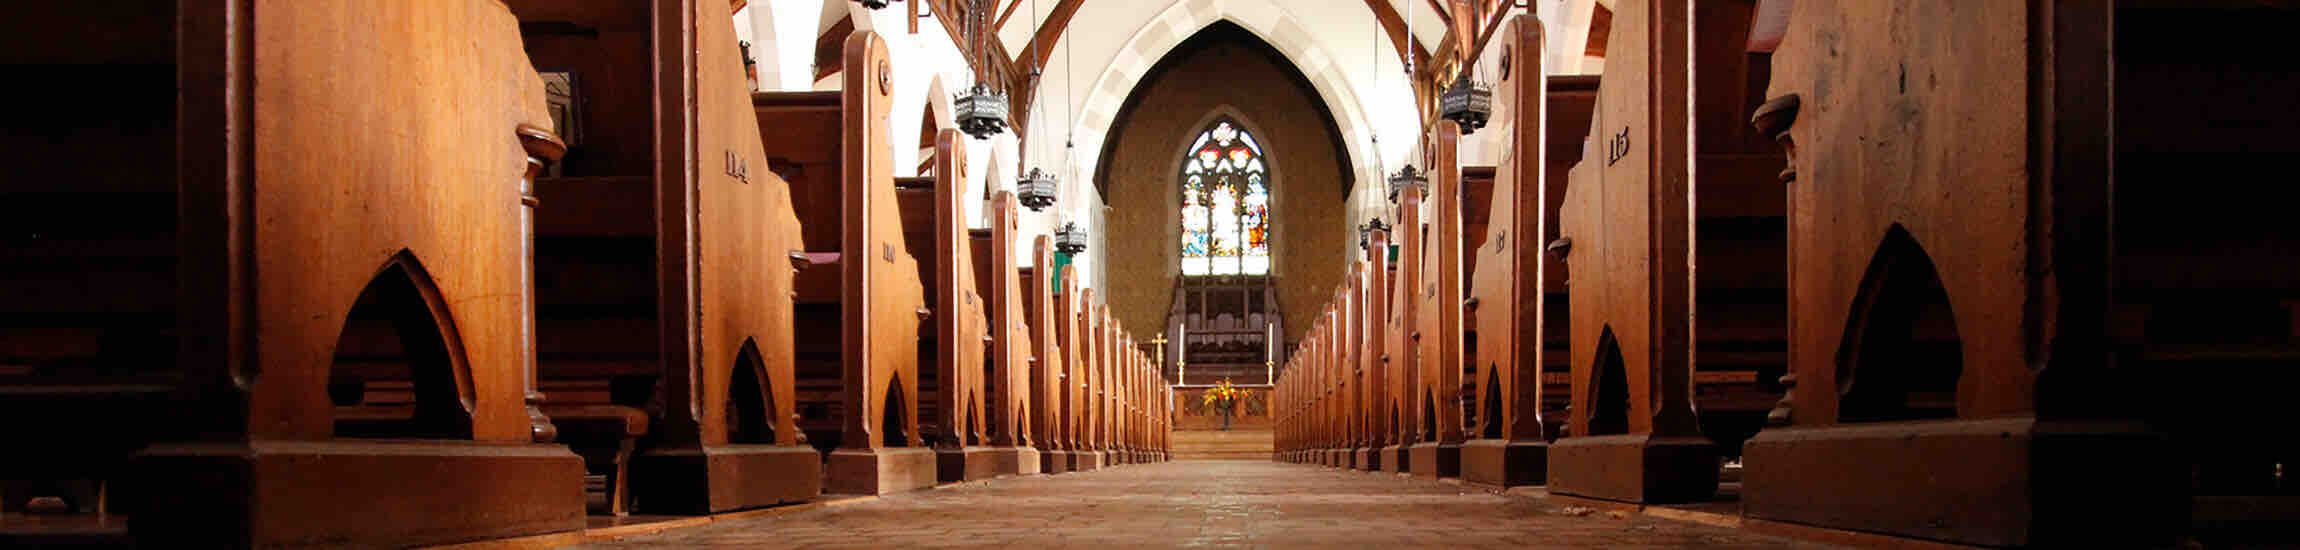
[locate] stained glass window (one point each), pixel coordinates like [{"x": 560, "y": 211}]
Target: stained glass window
[{"x": 1225, "y": 204}]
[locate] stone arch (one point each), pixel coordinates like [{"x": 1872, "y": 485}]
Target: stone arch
[
  {"x": 1901, "y": 354},
  {"x": 430, "y": 359},
  {"x": 1266, "y": 20}
]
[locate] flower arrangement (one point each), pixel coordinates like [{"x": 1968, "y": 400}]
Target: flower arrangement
[{"x": 1225, "y": 397}]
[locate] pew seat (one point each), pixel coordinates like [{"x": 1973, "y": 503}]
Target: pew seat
[
  {"x": 110, "y": 418},
  {"x": 591, "y": 420}
]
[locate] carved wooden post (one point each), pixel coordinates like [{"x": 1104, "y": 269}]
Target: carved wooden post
[{"x": 543, "y": 149}]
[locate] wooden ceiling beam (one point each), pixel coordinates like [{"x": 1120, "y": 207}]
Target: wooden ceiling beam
[
  {"x": 1034, "y": 54},
  {"x": 830, "y": 49},
  {"x": 1485, "y": 36}
]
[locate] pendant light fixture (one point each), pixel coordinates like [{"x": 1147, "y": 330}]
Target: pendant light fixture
[
  {"x": 981, "y": 111},
  {"x": 1036, "y": 189}
]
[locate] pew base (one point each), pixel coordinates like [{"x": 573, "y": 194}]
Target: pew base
[
  {"x": 1339, "y": 458},
  {"x": 1436, "y": 460},
  {"x": 1054, "y": 462},
  {"x": 1396, "y": 459},
  {"x": 1014, "y": 461},
  {"x": 1636, "y": 468},
  {"x": 708, "y": 479},
  {"x": 1993, "y": 482},
  {"x": 957, "y": 464},
  {"x": 1085, "y": 461},
  {"x": 364, "y": 493},
  {"x": 879, "y": 471},
  {"x": 1505, "y": 463},
  {"x": 1367, "y": 458}
]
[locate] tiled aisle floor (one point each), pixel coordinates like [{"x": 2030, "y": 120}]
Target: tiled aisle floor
[{"x": 1207, "y": 504}]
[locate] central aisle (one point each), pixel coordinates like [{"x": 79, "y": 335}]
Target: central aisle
[{"x": 1201, "y": 503}]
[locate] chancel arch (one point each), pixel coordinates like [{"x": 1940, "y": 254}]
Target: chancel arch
[{"x": 1225, "y": 76}]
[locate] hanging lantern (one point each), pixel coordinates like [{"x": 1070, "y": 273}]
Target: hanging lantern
[
  {"x": 1405, "y": 177},
  {"x": 1467, "y": 103},
  {"x": 1036, "y": 189},
  {"x": 1367, "y": 229},
  {"x": 981, "y": 113},
  {"x": 1071, "y": 239},
  {"x": 874, "y": 4}
]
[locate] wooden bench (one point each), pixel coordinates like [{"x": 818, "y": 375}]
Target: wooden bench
[
  {"x": 1010, "y": 396},
  {"x": 385, "y": 220},
  {"x": 1635, "y": 434},
  {"x": 861, "y": 290},
  {"x": 1508, "y": 297},
  {"x": 1049, "y": 369},
  {"x": 954, "y": 345},
  {"x": 691, "y": 315},
  {"x": 2102, "y": 301},
  {"x": 88, "y": 231}
]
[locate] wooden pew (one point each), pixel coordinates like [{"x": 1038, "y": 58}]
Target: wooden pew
[
  {"x": 1078, "y": 349},
  {"x": 1740, "y": 235},
  {"x": 1572, "y": 101},
  {"x": 688, "y": 317},
  {"x": 1507, "y": 295},
  {"x": 283, "y": 229},
  {"x": 1049, "y": 372},
  {"x": 1380, "y": 389},
  {"x": 2102, "y": 317},
  {"x": 1098, "y": 335},
  {"x": 1438, "y": 329},
  {"x": 1635, "y": 436},
  {"x": 88, "y": 250},
  {"x": 868, "y": 384},
  {"x": 1333, "y": 351},
  {"x": 960, "y": 327},
  {"x": 1404, "y": 359},
  {"x": 1329, "y": 386},
  {"x": 1012, "y": 344}
]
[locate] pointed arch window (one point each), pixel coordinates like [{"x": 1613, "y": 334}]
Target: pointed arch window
[{"x": 1225, "y": 203}]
